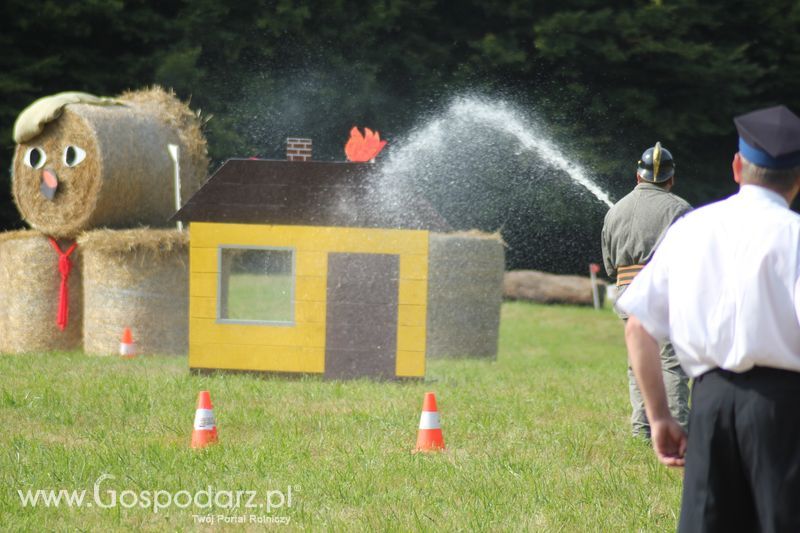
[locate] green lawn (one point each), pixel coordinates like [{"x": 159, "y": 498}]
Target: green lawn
[{"x": 536, "y": 440}]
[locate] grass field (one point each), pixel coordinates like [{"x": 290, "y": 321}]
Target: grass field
[{"x": 537, "y": 440}]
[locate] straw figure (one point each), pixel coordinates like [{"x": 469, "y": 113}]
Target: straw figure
[{"x": 84, "y": 164}]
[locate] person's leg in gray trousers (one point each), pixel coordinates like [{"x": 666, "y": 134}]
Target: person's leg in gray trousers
[{"x": 676, "y": 383}]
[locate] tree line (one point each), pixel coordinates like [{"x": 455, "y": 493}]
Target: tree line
[{"x": 609, "y": 79}]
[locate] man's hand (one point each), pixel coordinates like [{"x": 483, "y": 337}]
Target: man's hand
[
  {"x": 668, "y": 437},
  {"x": 669, "y": 442}
]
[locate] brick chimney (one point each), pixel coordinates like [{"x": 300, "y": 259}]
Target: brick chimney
[{"x": 298, "y": 149}]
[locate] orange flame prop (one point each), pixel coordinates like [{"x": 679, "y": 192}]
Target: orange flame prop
[{"x": 361, "y": 148}]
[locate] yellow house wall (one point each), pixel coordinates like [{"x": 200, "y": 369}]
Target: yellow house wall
[{"x": 300, "y": 347}]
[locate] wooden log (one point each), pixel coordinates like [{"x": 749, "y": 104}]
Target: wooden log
[{"x": 542, "y": 287}]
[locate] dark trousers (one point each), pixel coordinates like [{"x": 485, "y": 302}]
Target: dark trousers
[{"x": 743, "y": 457}]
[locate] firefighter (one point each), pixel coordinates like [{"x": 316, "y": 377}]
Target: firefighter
[{"x": 631, "y": 232}]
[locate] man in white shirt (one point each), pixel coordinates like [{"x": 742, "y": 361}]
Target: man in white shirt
[{"x": 724, "y": 286}]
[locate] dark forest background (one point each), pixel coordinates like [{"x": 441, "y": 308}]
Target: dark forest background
[{"x": 608, "y": 79}]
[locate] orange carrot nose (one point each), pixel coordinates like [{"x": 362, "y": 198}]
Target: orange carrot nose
[{"x": 49, "y": 184}]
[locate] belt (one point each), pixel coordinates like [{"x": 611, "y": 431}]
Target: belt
[
  {"x": 626, "y": 274},
  {"x": 767, "y": 374}
]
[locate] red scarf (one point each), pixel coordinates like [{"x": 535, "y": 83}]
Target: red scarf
[{"x": 64, "y": 268}]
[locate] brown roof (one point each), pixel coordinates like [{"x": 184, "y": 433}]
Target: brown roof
[{"x": 312, "y": 193}]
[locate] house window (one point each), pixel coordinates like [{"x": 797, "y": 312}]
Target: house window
[{"x": 256, "y": 285}]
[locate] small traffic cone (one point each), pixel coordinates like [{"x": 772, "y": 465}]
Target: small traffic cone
[
  {"x": 127, "y": 348},
  {"x": 429, "y": 438},
  {"x": 205, "y": 428}
]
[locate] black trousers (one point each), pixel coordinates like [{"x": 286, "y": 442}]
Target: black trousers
[{"x": 743, "y": 458}]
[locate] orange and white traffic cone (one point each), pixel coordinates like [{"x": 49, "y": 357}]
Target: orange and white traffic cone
[
  {"x": 127, "y": 348},
  {"x": 205, "y": 428},
  {"x": 429, "y": 438}
]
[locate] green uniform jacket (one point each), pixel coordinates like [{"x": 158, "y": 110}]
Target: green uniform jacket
[{"x": 636, "y": 224}]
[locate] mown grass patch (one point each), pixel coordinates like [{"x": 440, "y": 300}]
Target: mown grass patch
[{"x": 537, "y": 439}]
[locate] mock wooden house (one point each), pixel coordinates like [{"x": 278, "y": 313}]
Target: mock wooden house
[{"x": 297, "y": 267}]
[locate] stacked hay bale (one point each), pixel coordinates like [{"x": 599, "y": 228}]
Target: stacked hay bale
[
  {"x": 29, "y": 289},
  {"x": 465, "y": 287},
  {"x": 111, "y": 161},
  {"x": 139, "y": 279}
]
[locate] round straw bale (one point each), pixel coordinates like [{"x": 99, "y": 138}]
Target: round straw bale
[
  {"x": 138, "y": 279},
  {"x": 127, "y": 176},
  {"x": 465, "y": 286},
  {"x": 30, "y": 285}
]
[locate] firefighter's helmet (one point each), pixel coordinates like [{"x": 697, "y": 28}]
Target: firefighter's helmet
[{"x": 656, "y": 164}]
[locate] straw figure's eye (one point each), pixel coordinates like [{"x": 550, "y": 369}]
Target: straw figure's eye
[
  {"x": 35, "y": 157},
  {"x": 73, "y": 155}
]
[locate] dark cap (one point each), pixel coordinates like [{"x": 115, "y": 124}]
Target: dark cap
[{"x": 770, "y": 137}]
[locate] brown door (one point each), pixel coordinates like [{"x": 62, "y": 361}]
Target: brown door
[{"x": 361, "y": 323}]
